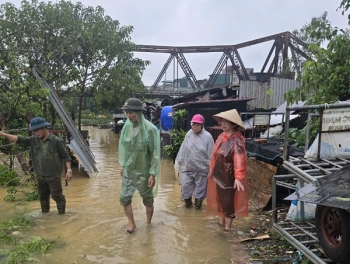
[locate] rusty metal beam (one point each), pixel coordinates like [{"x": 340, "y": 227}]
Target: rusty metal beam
[
  {"x": 162, "y": 72},
  {"x": 300, "y": 42},
  {"x": 203, "y": 49},
  {"x": 268, "y": 57},
  {"x": 187, "y": 70},
  {"x": 300, "y": 52},
  {"x": 241, "y": 65},
  {"x": 219, "y": 66},
  {"x": 282, "y": 41},
  {"x": 235, "y": 66},
  {"x": 285, "y": 50}
]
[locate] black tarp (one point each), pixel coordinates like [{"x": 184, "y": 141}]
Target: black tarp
[
  {"x": 271, "y": 149},
  {"x": 332, "y": 190}
]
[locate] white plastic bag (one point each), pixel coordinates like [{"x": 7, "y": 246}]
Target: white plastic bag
[{"x": 294, "y": 213}]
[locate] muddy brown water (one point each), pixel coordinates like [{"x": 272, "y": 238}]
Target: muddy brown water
[{"x": 93, "y": 228}]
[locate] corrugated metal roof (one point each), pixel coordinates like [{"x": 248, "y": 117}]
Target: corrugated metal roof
[
  {"x": 83, "y": 157},
  {"x": 261, "y": 91}
]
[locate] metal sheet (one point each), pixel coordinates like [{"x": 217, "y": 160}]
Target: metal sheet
[
  {"x": 77, "y": 144},
  {"x": 81, "y": 155},
  {"x": 262, "y": 92},
  {"x": 332, "y": 190}
]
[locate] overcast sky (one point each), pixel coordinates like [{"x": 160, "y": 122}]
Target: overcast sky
[{"x": 211, "y": 22}]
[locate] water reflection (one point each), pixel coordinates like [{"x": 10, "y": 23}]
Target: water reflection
[{"x": 93, "y": 228}]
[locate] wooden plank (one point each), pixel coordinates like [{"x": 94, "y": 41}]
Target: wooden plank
[{"x": 259, "y": 176}]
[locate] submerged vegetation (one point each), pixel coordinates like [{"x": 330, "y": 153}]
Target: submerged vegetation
[
  {"x": 14, "y": 246},
  {"x": 18, "y": 224},
  {"x": 25, "y": 251}
]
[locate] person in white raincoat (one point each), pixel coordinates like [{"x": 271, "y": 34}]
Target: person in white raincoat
[{"x": 192, "y": 161}]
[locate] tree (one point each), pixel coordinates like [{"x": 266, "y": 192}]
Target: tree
[
  {"x": 76, "y": 48},
  {"x": 345, "y": 5},
  {"x": 326, "y": 78}
]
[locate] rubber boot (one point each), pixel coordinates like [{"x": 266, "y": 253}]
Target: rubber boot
[
  {"x": 188, "y": 202},
  {"x": 61, "y": 206},
  {"x": 45, "y": 205},
  {"x": 198, "y": 203}
]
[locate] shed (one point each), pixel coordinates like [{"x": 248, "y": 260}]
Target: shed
[{"x": 209, "y": 108}]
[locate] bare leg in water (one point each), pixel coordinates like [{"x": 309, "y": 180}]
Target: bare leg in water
[
  {"x": 129, "y": 214},
  {"x": 228, "y": 223},
  {"x": 149, "y": 213}
]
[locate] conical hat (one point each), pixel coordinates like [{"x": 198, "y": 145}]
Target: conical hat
[{"x": 232, "y": 116}]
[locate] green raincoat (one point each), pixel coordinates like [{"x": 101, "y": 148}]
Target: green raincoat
[{"x": 139, "y": 154}]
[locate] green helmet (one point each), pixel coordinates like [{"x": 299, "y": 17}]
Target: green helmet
[{"x": 133, "y": 104}]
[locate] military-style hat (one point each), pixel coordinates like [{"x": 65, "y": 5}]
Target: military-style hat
[
  {"x": 133, "y": 104},
  {"x": 38, "y": 122}
]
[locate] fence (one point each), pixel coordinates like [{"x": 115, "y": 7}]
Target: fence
[{"x": 13, "y": 158}]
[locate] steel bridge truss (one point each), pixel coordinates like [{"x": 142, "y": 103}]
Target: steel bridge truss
[{"x": 277, "y": 57}]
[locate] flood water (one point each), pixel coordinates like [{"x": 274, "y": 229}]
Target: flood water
[{"x": 93, "y": 230}]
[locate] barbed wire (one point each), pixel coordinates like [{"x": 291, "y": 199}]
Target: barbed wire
[
  {"x": 11, "y": 144},
  {"x": 17, "y": 129},
  {"x": 17, "y": 166}
]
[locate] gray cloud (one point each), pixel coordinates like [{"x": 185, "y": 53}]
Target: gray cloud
[{"x": 209, "y": 22}]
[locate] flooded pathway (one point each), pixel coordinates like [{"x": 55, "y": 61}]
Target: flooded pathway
[{"x": 93, "y": 228}]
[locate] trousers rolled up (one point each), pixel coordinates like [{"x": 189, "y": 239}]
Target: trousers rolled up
[{"x": 193, "y": 183}]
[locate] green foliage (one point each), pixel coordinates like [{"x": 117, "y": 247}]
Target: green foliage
[
  {"x": 20, "y": 223},
  {"x": 8, "y": 177},
  {"x": 345, "y": 5},
  {"x": 31, "y": 195},
  {"x": 326, "y": 78},
  {"x": 12, "y": 232},
  {"x": 94, "y": 120},
  {"x": 24, "y": 251},
  {"x": 310, "y": 34},
  {"x": 11, "y": 194},
  {"x": 76, "y": 47},
  {"x": 298, "y": 136},
  {"x": 269, "y": 93},
  {"x": 179, "y": 118},
  {"x": 177, "y": 134}
]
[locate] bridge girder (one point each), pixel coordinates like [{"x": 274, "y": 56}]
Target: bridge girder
[{"x": 282, "y": 43}]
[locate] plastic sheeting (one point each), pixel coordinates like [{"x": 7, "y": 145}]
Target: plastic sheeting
[
  {"x": 276, "y": 116},
  {"x": 333, "y": 145},
  {"x": 139, "y": 151},
  {"x": 271, "y": 149},
  {"x": 229, "y": 162},
  {"x": 195, "y": 152},
  {"x": 332, "y": 190}
]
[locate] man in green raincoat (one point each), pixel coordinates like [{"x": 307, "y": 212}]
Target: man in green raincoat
[{"x": 139, "y": 156}]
